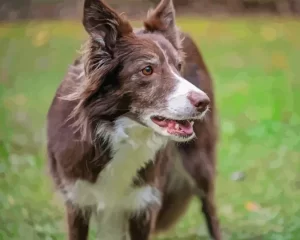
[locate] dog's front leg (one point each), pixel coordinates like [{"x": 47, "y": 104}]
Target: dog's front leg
[
  {"x": 147, "y": 201},
  {"x": 204, "y": 174},
  {"x": 140, "y": 226},
  {"x": 207, "y": 198},
  {"x": 78, "y": 223},
  {"x": 207, "y": 184}
]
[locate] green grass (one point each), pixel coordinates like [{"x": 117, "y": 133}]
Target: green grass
[{"x": 255, "y": 65}]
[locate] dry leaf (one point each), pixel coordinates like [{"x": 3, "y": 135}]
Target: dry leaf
[
  {"x": 252, "y": 207},
  {"x": 11, "y": 200},
  {"x": 279, "y": 60},
  {"x": 269, "y": 34},
  {"x": 41, "y": 38},
  {"x": 20, "y": 100}
]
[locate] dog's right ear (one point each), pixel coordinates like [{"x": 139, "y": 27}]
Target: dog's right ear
[{"x": 103, "y": 24}]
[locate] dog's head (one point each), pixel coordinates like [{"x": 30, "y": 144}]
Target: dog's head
[{"x": 138, "y": 73}]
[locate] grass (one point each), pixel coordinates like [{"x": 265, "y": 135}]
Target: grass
[{"x": 255, "y": 65}]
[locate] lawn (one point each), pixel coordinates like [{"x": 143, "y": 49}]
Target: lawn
[{"x": 255, "y": 65}]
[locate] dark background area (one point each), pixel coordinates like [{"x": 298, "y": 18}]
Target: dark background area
[{"x": 55, "y": 9}]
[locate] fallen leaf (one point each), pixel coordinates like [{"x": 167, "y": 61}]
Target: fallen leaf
[
  {"x": 41, "y": 38},
  {"x": 279, "y": 60},
  {"x": 252, "y": 207},
  {"x": 269, "y": 34},
  {"x": 11, "y": 200},
  {"x": 20, "y": 100}
]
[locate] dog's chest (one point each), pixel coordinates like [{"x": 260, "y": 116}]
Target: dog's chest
[{"x": 133, "y": 147}]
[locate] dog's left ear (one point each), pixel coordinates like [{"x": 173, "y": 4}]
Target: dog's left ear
[{"x": 162, "y": 19}]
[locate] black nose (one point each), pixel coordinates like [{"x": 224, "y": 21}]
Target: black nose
[{"x": 199, "y": 100}]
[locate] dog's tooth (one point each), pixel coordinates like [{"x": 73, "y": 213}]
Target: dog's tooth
[
  {"x": 192, "y": 123},
  {"x": 177, "y": 126}
]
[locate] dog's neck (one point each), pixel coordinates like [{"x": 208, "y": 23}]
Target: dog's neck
[{"x": 133, "y": 147}]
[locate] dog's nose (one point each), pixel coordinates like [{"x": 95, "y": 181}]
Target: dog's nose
[{"x": 199, "y": 100}]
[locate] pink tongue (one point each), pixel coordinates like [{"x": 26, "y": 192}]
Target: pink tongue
[{"x": 183, "y": 128}]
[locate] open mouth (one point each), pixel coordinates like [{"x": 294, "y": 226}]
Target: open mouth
[{"x": 182, "y": 128}]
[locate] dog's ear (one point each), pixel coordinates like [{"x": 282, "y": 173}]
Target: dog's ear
[
  {"x": 103, "y": 24},
  {"x": 162, "y": 19}
]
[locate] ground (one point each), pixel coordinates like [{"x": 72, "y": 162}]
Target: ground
[{"x": 255, "y": 65}]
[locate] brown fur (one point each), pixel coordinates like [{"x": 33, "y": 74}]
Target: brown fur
[{"x": 85, "y": 102}]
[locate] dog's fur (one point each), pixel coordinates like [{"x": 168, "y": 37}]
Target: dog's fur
[{"x": 107, "y": 156}]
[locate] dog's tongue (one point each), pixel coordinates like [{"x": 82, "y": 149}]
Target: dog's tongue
[{"x": 174, "y": 127}]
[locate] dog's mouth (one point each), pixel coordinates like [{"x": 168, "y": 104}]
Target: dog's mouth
[{"x": 182, "y": 128}]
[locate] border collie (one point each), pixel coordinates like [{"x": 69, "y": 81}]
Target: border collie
[{"x": 130, "y": 137}]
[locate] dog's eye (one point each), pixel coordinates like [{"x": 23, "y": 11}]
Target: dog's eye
[
  {"x": 179, "y": 67},
  {"x": 147, "y": 71}
]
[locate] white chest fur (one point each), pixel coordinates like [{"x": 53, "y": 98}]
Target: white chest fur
[{"x": 133, "y": 146}]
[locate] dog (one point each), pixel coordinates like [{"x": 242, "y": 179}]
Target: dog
[{"x": 131, "y": 137}]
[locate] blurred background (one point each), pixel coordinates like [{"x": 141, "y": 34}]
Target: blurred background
[
  {"x": 62, "y": 9},
  {"x": 252, "y": 49}
]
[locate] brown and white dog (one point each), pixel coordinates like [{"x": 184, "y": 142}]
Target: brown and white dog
[{"x": 130, "y": 137}]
